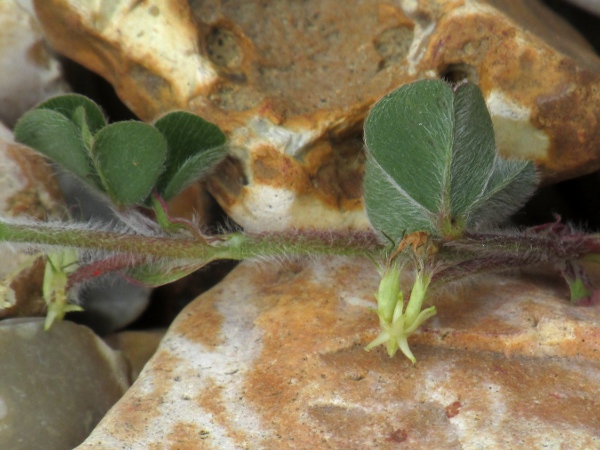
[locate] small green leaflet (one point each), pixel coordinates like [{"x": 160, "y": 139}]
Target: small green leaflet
[
  {"x": 432, "y": 164},
  {"x": 129, "y": 158},
  {"x": 195, "y": 146},
  {"x": 61, "y": 128},
  {"x": 58, "y": 138},
  {"x": 79, "y": 109}
]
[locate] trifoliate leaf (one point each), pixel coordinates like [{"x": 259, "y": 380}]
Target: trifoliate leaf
[
  {"x": 195, "y": 146},
  {"x": 58, "y": 138},
  {"x": 432, "y": 164},
  {"x": 129, "y": 158}
]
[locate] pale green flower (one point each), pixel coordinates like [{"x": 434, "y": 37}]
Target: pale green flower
[
  {"x": 59, "y": 265},
  {"x": 397, "y": 323}
]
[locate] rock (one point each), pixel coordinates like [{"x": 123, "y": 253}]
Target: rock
[
  {"x": 27, "y": 188},
  {"x": 589, "y": 5},
  {"x": 273, "y": 358},
  {"x": 56, "y": 385},
  {"x": 110, "y": 304},
  {"x": 292, "y": 83},
  {"x": 136, "y": 346},
  {"x": 33, "y": 73}
]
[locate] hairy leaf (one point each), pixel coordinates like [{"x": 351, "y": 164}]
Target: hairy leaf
[
  {"x": 195, "y": 146},
  {"x": 129, "y": 158},
  {"x": 58, "y": 138},
  {"x": 191, "y": 170},
  {"x": 75, "y": 107},
  {"x": 432, "y": 164}
]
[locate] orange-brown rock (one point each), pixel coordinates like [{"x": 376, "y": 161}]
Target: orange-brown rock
[
  {"x": 291, "y": 83},
  {"x": 136, "y": 346},
  {"x": 273, "y": 358}
]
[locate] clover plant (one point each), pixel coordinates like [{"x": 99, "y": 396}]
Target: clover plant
[
  {"x": 435, "y": 191},
  {"x": 432, "y": 168}
]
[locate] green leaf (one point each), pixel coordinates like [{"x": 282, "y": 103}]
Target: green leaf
[
  {"x": 159, "y": 274},
  {"x": 510, "y": 186},
  {"x": 62, "y": 129},
  {"x": 58, "y": 138},
  {"x": 193, "y": 169},
  {"x": 195, "y": 146},
  {"x": 129, "y": 158},
  {"x": 474, "y": 148},
  {"x": 432, "y": 164},
  {"x": 77, "y": 107}
]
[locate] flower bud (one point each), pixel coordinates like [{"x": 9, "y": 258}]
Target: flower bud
[{"x": 389, "y": 293}]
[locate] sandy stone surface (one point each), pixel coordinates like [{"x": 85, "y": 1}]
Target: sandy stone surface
[
  {"x": 31, "y": 73},
  {"x": 272, "y": 358},
  {"x": 291, "y": 84}
]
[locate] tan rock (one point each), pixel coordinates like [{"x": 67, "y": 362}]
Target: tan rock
[
  {"x": 136, "y": 346},
  {"x": 27, "y": 188},
  {"x": 30, "y": 72},
  {"x": 56, "y": 384},
  {"x": 292, "y": 82},
  {"x": 273, "y": 358}
]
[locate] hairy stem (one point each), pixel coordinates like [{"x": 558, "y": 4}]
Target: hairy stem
[
  {"x": 235, "y": 246},
  {"x": 481, "y": 252},
  {"x": 297, "y": 243}
]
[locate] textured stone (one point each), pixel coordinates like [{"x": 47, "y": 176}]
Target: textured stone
[
  {"x": 56, "y": 385},
  {"x": 27, "y": 188},
  {"x": 30, "y": 72},
  {"x": 272, "y": 358},
  {"x": 136, "y": 346},
  {"x": 291, "y": 83}
]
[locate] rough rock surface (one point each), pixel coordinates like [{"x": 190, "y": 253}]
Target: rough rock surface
[
  {"x": 30, "y": 72},
  {"x": 27, "y": 188},
  {"x": 291, "y": 83},
  {"x": 56, "y": 385},
  {"x": 136, "y": 346},
  {"x": 272, "y": 358}
]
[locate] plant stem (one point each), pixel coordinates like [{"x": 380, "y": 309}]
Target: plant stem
[
  {"x": 297, "y": 243},
  {"x": 543, "y": 246},
  {"x": 481, "y": 252},
  {"x": 235, "y": 246},
  {"x": 110, "y": 241}
]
